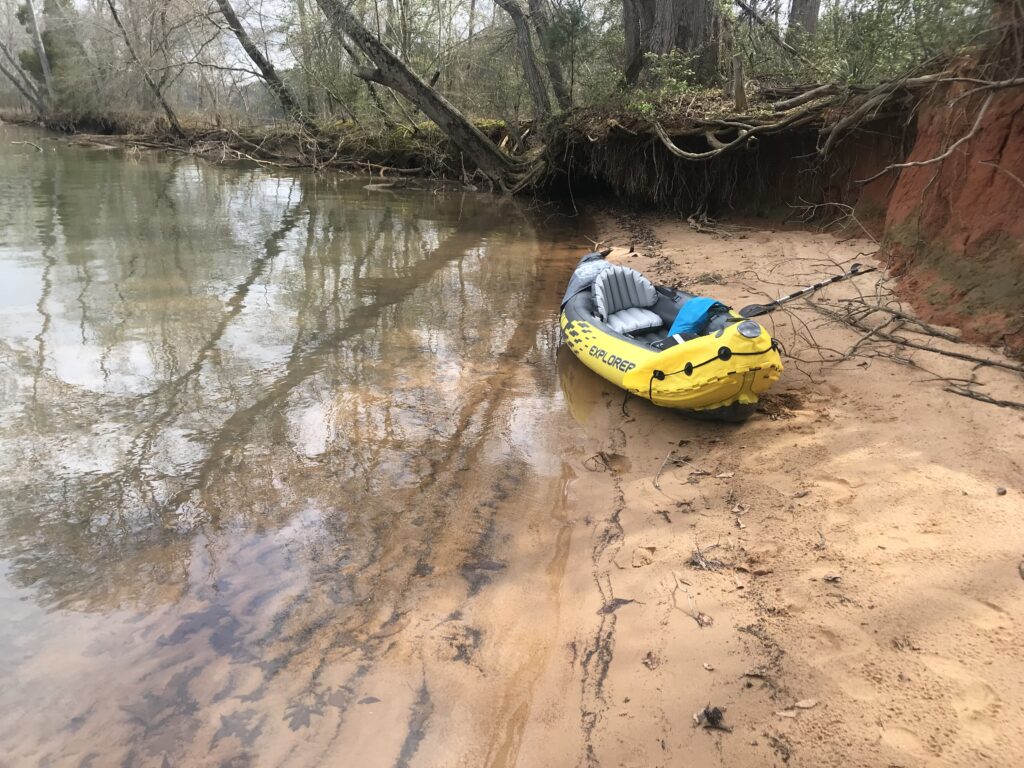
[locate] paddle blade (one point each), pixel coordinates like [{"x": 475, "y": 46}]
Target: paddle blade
[{"x": 755, "y": 310}]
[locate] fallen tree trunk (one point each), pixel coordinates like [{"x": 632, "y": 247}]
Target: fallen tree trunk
[{"x": 389, "y": 70}]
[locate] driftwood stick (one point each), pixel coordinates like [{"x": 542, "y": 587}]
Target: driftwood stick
[
  {"x": 949, "y": 353},
  {"x": 928, "y": 328},
  {"x": 867, "y": 337},
  {"x": 661, "y": 469},
  {"x": 966, "y": 392},
  {"x": 1015, "y": 367}
]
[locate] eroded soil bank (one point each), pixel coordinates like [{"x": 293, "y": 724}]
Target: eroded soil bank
[{"x": 954, "y": 230}]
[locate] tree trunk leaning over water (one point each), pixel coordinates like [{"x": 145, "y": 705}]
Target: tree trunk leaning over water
[
  {"x": 273, "y": 80},
  {"x": 171, "y": 117},
  {"x": 392, "y": 72},
  {"x": 385, "y": 116},
  {"x": 528, "y": 57}
]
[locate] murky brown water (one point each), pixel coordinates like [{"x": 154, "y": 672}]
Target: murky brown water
[{"x": 280, "y": 475}]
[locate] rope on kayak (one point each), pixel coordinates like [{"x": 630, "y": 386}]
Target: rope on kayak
[{"x": 724, "y": 353}]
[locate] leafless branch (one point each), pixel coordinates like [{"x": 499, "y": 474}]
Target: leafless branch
[{"x": 938, "y": 158}]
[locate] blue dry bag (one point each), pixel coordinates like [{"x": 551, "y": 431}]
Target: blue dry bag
[{"x": 693, "y": 316}]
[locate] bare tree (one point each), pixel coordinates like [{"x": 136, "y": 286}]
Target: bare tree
[
  {"x": 389, "y": 70},
  {"x": 270, "y": 76},
  {"x": 528, "y": 57},
  {"x": 305, "y": 57},
  {"x": 153, "y": 85}
]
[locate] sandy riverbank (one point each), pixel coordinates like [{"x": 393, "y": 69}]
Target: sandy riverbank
[{"x": 864, "y": 589}]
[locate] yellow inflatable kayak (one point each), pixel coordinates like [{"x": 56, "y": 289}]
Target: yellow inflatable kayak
[{"x": 618, "y": 324}]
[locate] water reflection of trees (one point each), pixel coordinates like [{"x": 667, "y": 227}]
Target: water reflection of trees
[{"x": 300, "y": 347}]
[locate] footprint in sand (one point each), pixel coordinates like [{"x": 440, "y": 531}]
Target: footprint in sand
[
  {"x": 839, "y": 650},
  {"x": 990, "y": 616},
  {"x": 905, "y": 741},
  {"x": 976, "y": 702},
  {"x": 981, "y": 613}
]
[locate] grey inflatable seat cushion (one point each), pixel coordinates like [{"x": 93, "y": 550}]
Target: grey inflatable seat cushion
[
  {"x": 622, "y": 296},
  {"x": 633, "y": 320}
]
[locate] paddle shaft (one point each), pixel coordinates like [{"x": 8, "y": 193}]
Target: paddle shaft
[{"x": 755, "y": 310}]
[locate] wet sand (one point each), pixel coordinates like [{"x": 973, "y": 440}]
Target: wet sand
[{"x": 864, "y": 589}]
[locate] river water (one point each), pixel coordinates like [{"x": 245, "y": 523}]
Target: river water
[{"x": 281, "y": 464}]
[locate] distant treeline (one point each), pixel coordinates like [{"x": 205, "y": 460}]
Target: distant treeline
[{"x": 392, "y": 63}]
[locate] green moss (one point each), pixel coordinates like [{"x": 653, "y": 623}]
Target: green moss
[{"x": 988, "y": 276}]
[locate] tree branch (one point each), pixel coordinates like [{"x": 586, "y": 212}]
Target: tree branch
[
  {"x": 770, "y": 28},
  {"x": 171, "y": 117},
  {"x": 939, "y": 158}
]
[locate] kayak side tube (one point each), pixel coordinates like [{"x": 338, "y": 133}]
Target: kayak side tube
[{"x": 714, "y": 371}]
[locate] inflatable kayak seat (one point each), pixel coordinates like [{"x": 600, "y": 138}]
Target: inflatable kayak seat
[
  {"x": 633, "y": 320},
  {"x": 622, "y": 296}
]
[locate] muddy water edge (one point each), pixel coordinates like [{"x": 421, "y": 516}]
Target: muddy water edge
[{"x": 284, "y": 465}]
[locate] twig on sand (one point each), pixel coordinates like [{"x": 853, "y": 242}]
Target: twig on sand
[
  {"x": 661, "y": 469},
  {"x": 705, "y": 225},
  {"x": 967, "y": 392},
  {"x": 926, "y": 328},
  {"x": 849, "y": 319},
  {"x": 867, "y": 336},
  {"x": 700, "y": 560},
  {"x": 702, "y": 619}
]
